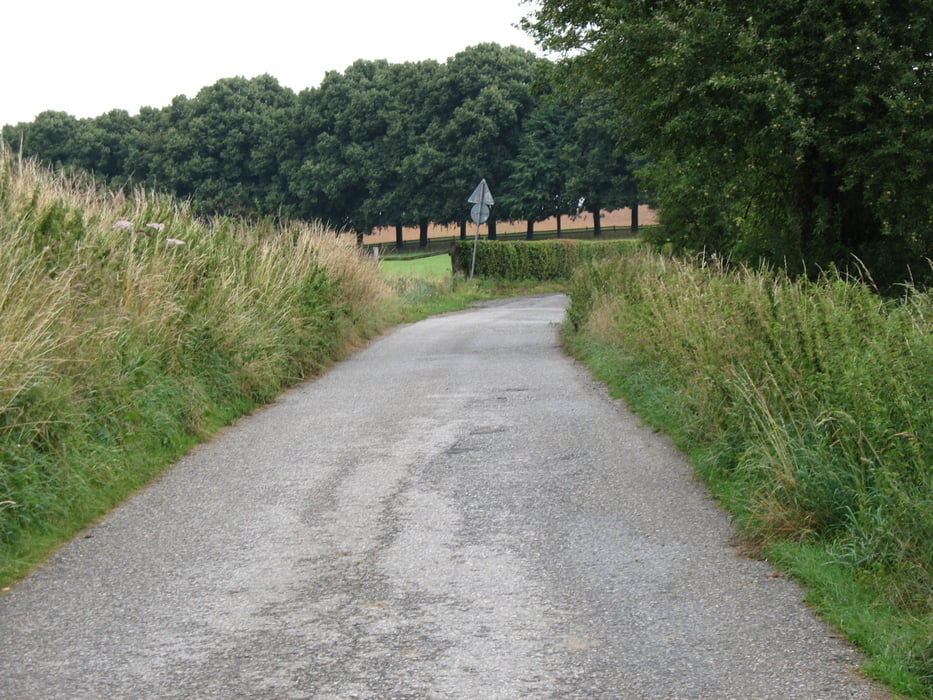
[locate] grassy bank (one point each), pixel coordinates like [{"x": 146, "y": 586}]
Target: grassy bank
[
  {"x": 130, "y": 330},
  {"x": 809, "y": 409}
]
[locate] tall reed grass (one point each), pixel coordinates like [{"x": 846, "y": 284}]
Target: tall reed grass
[
  {"x": 811, "y": 401},
  {"x": 129, "y": 329}
]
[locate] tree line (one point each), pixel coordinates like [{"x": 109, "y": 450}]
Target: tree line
[{"x": 379, "y": 144}]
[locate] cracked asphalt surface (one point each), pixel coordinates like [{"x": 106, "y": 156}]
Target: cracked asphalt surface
[{"x": 457, "y": 511}]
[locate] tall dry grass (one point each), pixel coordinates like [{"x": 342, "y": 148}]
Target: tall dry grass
[
  {"x": 811, "y": 403},
  {"x": 129, "y": 328}
]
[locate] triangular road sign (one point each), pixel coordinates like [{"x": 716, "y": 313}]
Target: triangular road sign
[{"x": 482, "y": 195}]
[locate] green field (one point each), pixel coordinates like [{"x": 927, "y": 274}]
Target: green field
[{"x": 433, "y": 267}]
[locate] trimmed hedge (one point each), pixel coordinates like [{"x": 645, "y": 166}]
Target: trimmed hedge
[{"x": 532, "y": 260}]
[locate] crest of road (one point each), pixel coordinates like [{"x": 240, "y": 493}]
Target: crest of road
[{"x": 456, "y": 511}]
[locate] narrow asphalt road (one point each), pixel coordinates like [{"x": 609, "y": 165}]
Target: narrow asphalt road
[{"x": 457, "y": 511}]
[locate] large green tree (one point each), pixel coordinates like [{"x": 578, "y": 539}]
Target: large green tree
[
  {"x": 101, "y": 145},
  {"x": 400, "y": 194},
  {"x": 796, "y": 130},
  {"x": 490, "y": 91},
  {"x": 97, "y": 145},
  {"x": 358, "y": 128},
  {"x": 599, "y": 175},
  {"x": 405, "y": 144},
  {"x": 217, "y": 144},
  {"x": 51, "y": 136},
  {"x": 537, "y": 185},
  {"x": 342, "y": 121}
]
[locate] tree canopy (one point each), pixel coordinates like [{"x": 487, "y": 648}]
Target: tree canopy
[
  {"x": 378, "y": 144},
  {"x": 794, "y": 131}
]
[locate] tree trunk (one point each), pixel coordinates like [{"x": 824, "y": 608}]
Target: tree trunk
[
  {"x": 597, "y": 223},
  {"x": 558, "y": 225},
  {"x": 491, "y": 227},
  {"x": 530, "y": 232},
  {"x": 423, "y": 241},
  {"x": 399, "y": 239},
  {"x": 359, "y": 239},
  {"x": 635, "y": 217},
  {"x": 463, "y": 230}
]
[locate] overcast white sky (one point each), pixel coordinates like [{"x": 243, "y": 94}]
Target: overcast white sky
[{"x": 86, "y": 57}]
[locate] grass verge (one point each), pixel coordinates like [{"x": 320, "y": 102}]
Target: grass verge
[
  {"x": 807, "y": 408},
  {"x": 130, "y": 330}
]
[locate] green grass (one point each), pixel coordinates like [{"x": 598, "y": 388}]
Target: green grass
[
  {"x": 897, "y": 643},
  {"x": 897, "y": 640},
  {"x": 807, "y": 407},
  {"x": 130, "y": 330},
  {"x": 430, "y": 267}
]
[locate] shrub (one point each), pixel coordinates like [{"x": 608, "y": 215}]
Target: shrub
[{"x": 532, "y": 260}]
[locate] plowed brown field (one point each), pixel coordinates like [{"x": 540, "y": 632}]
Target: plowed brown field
[{"x": 619, "y": 217}]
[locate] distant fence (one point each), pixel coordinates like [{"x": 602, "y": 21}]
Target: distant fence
[{"x": 443, "y": 243}]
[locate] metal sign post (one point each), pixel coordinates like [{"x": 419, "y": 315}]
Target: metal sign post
[{"x": 482, "y": 200}]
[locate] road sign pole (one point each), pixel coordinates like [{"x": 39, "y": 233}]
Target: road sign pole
[
  {"x": 476, "y": 235},
  {"x": 482, "y": 200}
]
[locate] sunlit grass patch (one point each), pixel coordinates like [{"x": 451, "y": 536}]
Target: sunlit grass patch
[{"x": 427, "y": 267}]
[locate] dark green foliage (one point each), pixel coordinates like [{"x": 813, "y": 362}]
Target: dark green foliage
[
  {"x": 537, "y": 186},
  {"x": 380, "y": 144},
  {"x": 53, "y": 136},
  {"x": 794, "y": 132},
  {"x": 597, "y": 172},
  {"x": 532, "y": 260},
  {"x": 222, "y": 148}
]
